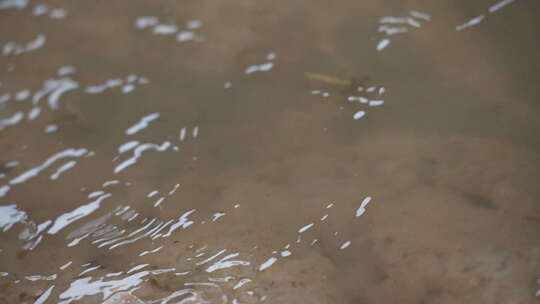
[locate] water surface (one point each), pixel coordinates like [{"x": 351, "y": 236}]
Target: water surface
[{"x": 269, "y": 152}]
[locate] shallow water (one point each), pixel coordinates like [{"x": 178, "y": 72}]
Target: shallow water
[{"x": 276, "y": 152}]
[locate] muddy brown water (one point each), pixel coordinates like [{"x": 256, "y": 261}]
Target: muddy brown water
[{"x": 270, "y": 152}]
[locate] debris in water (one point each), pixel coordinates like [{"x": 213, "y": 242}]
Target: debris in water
[{"x": 327, "y": 79}]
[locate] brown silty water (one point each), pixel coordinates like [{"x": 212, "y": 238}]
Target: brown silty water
[{"x": 269, "y": 152}]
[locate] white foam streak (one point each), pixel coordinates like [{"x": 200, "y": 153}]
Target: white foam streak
[
  {"x": 182, "y": 134},
  {"x": 35, "y": 171},
  {"x": 66, "y": 265},
  {"x": 9, "y": 216},
  {"x": 173, "y": 190},
  {"x": 143, "y": 123},
  {"x": 51, "y": 128},
  {"x": 16, "y": 4},
  {"x": 66, "y": 70},
  {"x": 63, "y": 86},
  {"x": 40, "y": 9},
  {"x": 128, "y": 146},
  {"x": 362, "y": 209},
  {"x": 183, "y": 222},
  {"x": 305, "y": 228},
  {"x": 212, "y": 257},
  {"x": 399, "y": 20},
  {"x": 470, "y": 23},
  {"x": 55, "y": 88},
  {"x": 138, "y": 267},
  {"x": 84, "y": 287},
  {"x": 194, "y": 24},
  {"x": 12, "y": 120},
  {"x": 376, "y": 103},
  {"x": 165, "y": 29},
  {"x": 89, "y": 270},
  {"x": 150, "y": 251},
  {"x": 159, "y": 201},
  {"x": 144, "y": 22},
  {"x": 217, "y": 215},
  {"x": 179, "y": 293},
  {"x": 12, "y": 48},
  {"x": 359, "y": 115},
  {"x": 185, "y": 36},
  {"x": 70, "y": 164},
  {"x": 420, "y": 15},
  {"x": 111, "y": 182},
  {"x": 265, "y": 67},
  {"x": 345, "y": 245},
  {"x": 383, "y": 44},
  {"x": 95, "y": 89},
  {"x": 225, "y": 263},
  {"x": 22, "y": 95},
  {"x": 58, "y": 13},
  {"x": 44, "y": 296},
  {"x": 267, "y": 263},
  {"x": 241, "y": 283},
  {"x": 34, "y": 113},
  {"x": 392, "y": 30},
  {"x": 67, "y": 218},
  {"x": 95, "y": 194},
  {"x": 499, "y": 5},
  {"x": 137, "y": 153}
]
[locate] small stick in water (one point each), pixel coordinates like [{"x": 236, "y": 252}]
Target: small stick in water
[{"x": 327, "y": 79}]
